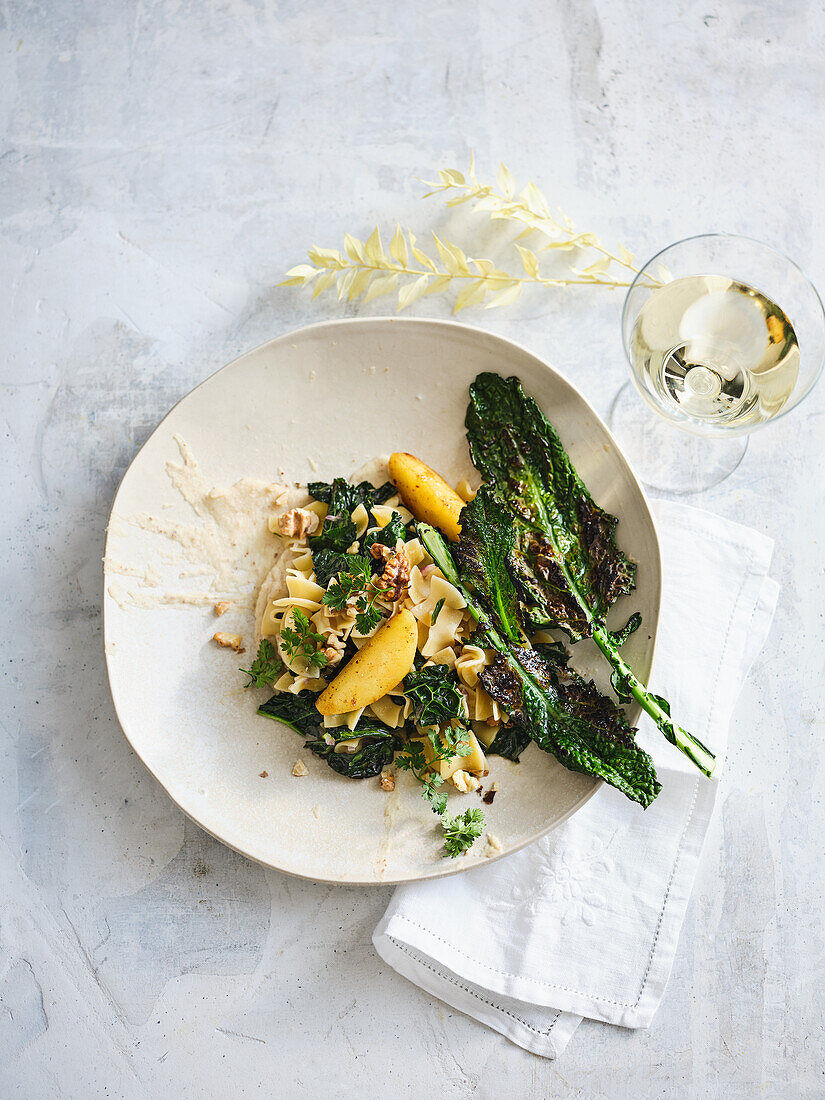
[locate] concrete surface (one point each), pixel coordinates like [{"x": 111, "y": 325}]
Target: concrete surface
[{"x": 163, "y": 164}]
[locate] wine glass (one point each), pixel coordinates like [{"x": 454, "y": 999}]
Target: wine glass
[{"x": 722, "y": 334}]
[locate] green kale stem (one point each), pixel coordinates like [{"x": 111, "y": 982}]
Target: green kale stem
[{"x": 651, "y": 704}]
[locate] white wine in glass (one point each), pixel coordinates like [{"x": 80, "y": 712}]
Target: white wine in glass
[
  {"x": 722, "y": 352},
  {"x": 722, "y": 335}
]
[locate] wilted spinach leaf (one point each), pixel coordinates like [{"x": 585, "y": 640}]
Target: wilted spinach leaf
[
  {"x": 329, "y": 563},
  {"x": 298, "y": 711},
  {"x": 378, "y": 747},
  {"x": 341, "y": 496},
  {"x": 388, "y": 535}
]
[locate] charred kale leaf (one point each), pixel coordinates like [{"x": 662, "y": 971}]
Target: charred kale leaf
[
  {"x": 526, "y": 684},
  {"x": 565, "y": 563},
  {"x": 564, "y": 537},
  {"x": 483, "y": 555},
  {"x": 570, "y": 718}
]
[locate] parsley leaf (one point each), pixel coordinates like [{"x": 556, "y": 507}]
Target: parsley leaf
[
  {"x": 302, "y": 641},
  {"x": 435, "y": 695},
  {"x": 356, "y": 583},
  {"x": 453, "y": 741},
  {"x": 348, "y": 583},
  {"x": 461, "y": 831},
  {"x": 430, "y": 791},
  {"x": 265, "y": 667},
  {"x": 367, "y": 614}
]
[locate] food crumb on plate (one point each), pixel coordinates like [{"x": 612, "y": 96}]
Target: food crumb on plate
[
  {"x": 387, "y": 780},
  {"x": 263, "y": 775},
  {"x": 229, "y": 641},
  {"x": 491, "y": 794},
  {"x": 300, "y": 768},
  {"x": 221, "y": 607},
  {"x": 493, "y": 844}
]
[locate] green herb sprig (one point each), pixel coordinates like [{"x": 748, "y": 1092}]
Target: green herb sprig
[
  {"x": 461, "y": 831},
  {"x": 356, "y": 583},
  {"x": 453, "y": 741},
  {"x": 266, "y": 666},
  {"x": 302, "y": 641}
]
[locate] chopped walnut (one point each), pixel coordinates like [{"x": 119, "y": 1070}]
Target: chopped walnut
[
  {"x": 229, "y": 641},
  {"x": 387, "y": 780},
  {"x": 297, "y": 523},
  {"x": 395, "y": 578},
  {"x": 221, "y": 607},
  {"x": 465, "y": 782},
  {"x": 300, "y": 768},
  {"x": 334, "y": 649}
]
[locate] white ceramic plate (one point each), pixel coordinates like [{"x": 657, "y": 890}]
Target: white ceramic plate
[{"x": 317, "y": 403}]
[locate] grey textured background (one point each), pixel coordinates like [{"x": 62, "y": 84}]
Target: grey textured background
[{"x": 162, "y": 165}]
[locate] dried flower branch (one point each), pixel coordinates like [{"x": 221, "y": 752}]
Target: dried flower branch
[
  {"x": 365, "y": 269},
  {"x": 530, "y": 208}
]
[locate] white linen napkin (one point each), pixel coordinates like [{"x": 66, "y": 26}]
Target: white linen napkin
[{"x": 586, "y": 921}]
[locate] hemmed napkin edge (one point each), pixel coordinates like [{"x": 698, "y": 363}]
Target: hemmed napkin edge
[{"x": 422, "y": 969}]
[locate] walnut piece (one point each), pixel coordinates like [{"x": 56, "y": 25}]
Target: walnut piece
[
  {"x": 395, "y": 578},
  {"x": 221, "y": 607},
  {"x": 297, "y": 523},
  {"x": 300, "y": 768},
  {"x": 387, "y": 780},
  {"x": 229, "y": 641},
  {"x": 465, "y": 782},
  {"x": 334, "y": 649}
]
